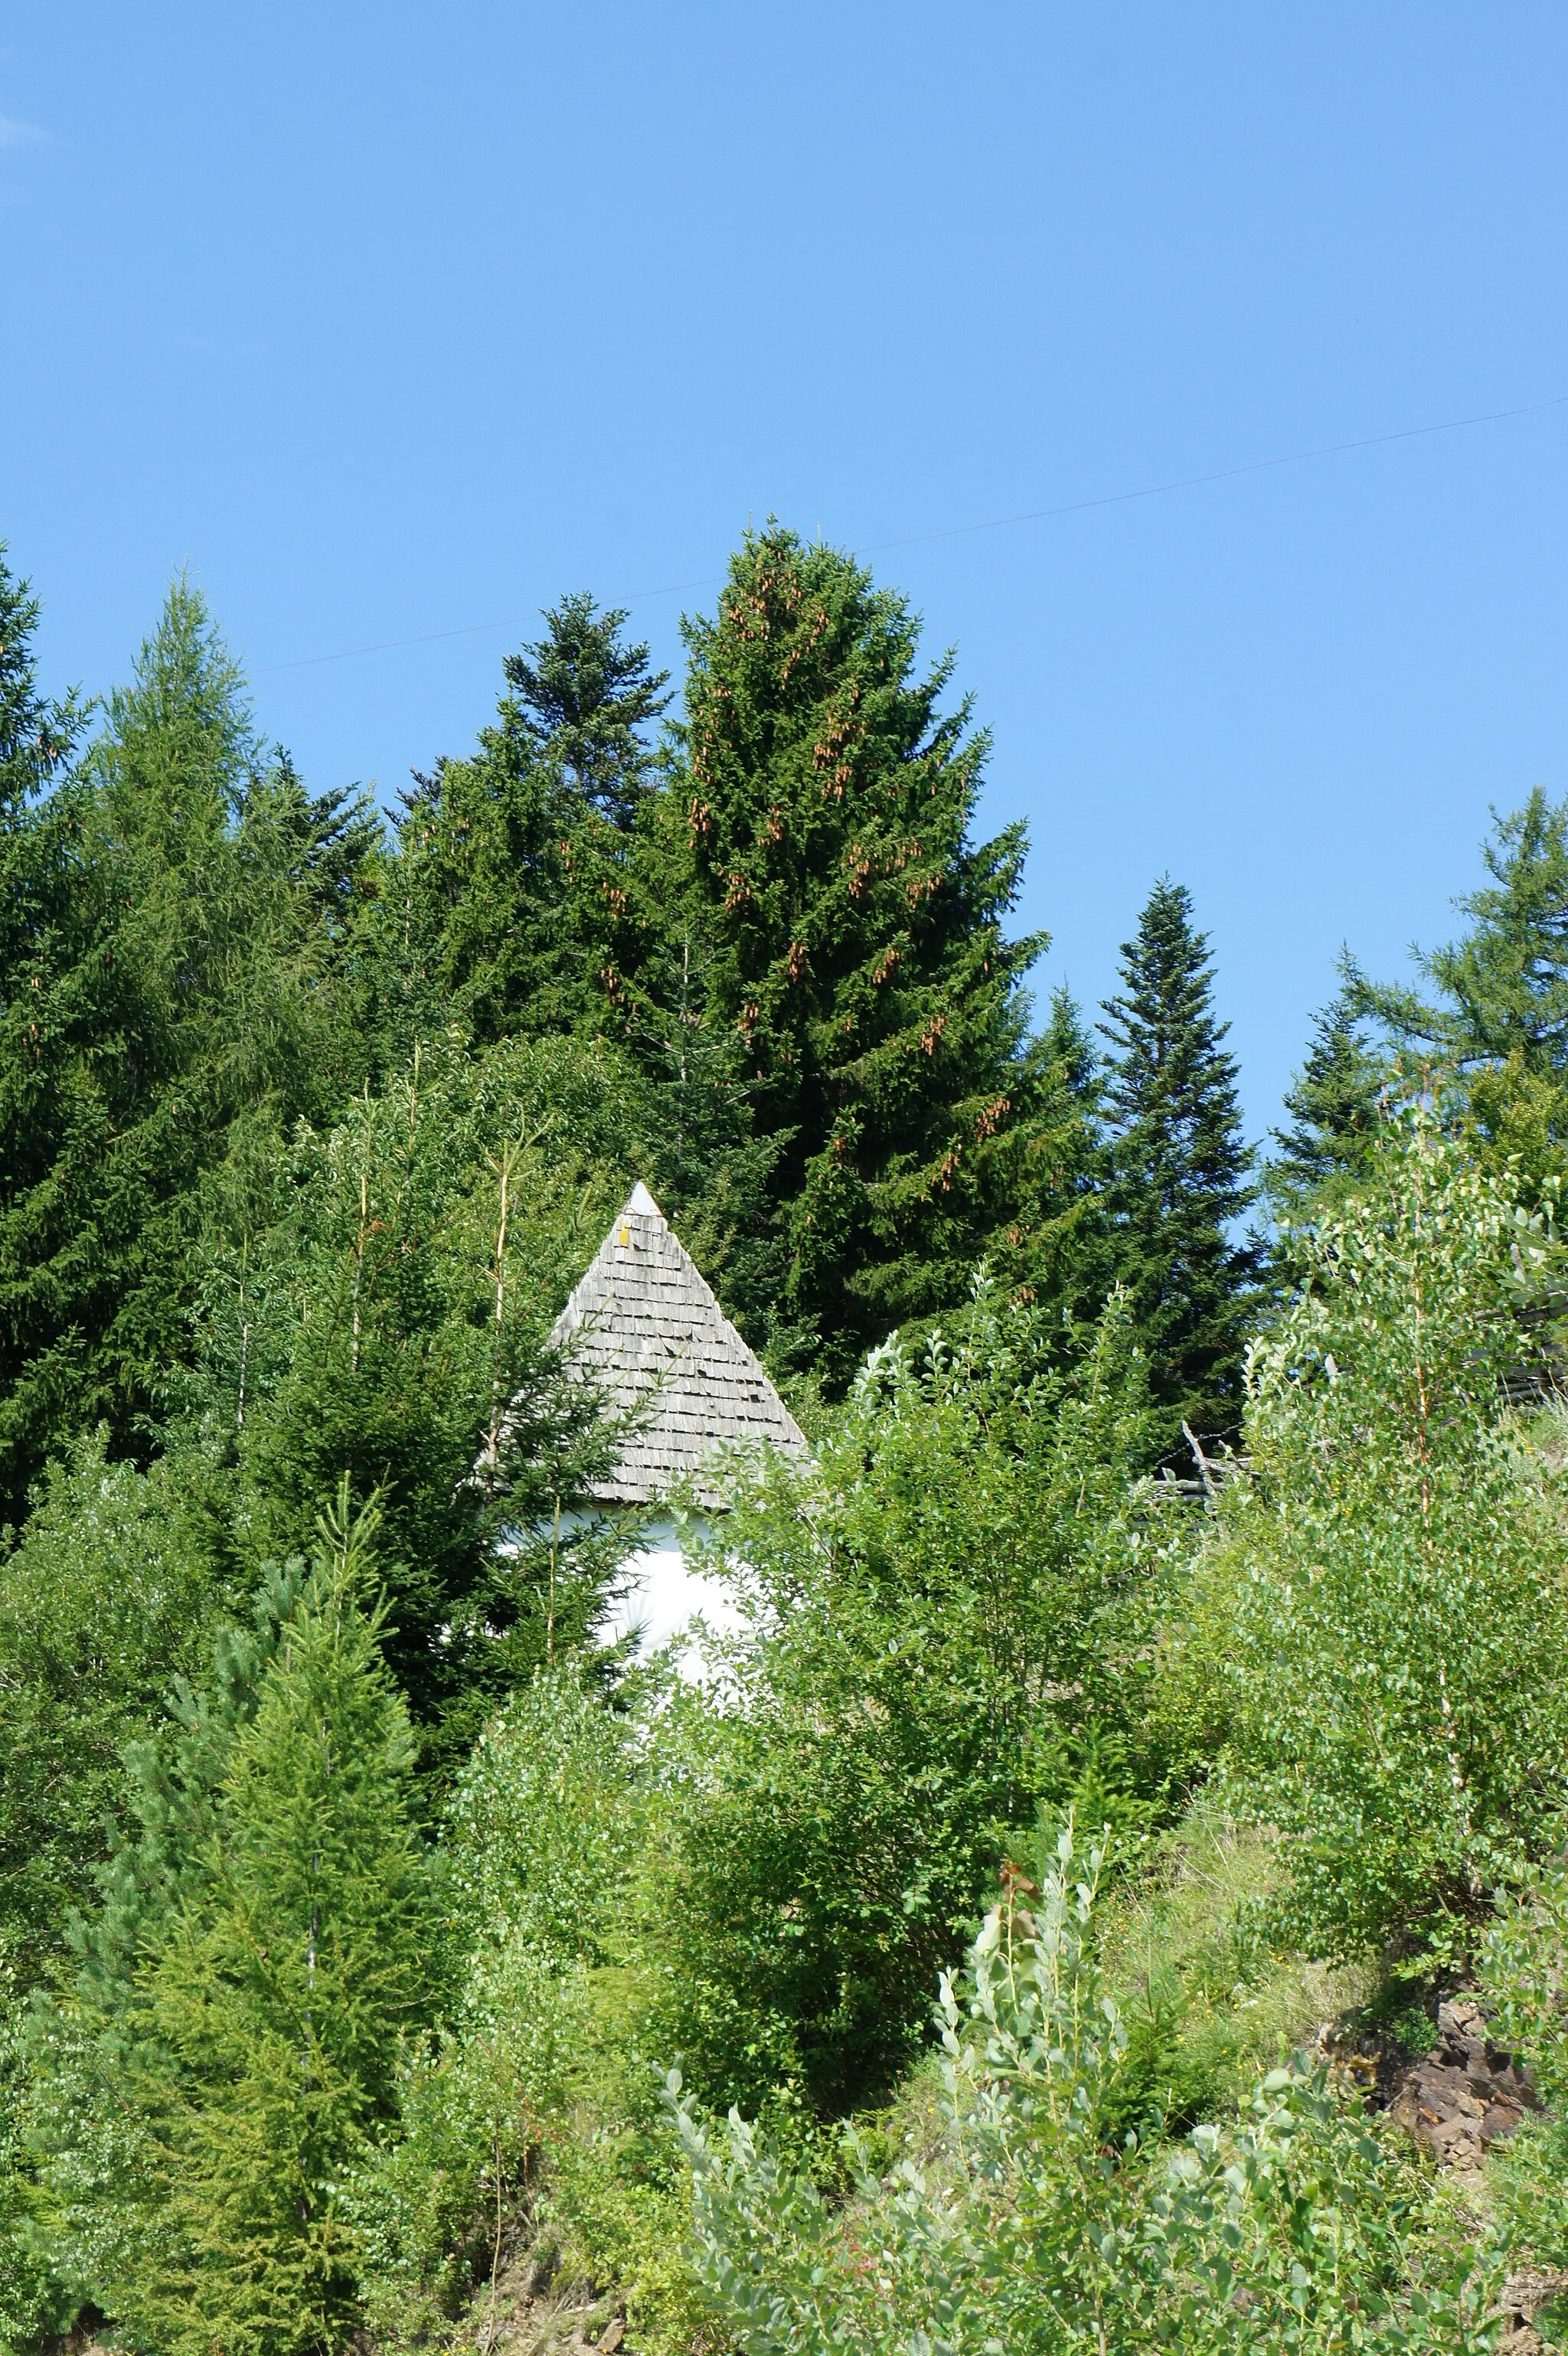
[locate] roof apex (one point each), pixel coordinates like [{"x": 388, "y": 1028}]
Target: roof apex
[{"x": 646, "y": 1327}]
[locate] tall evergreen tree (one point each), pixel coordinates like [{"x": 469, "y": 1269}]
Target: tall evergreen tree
[
  {"x": 1502, "y": 988},
  {"x": 1335, "y": 1103},
  {"x": 817, "y": 840},
  {"x": 169, "y": 979},
  {"x": 517, "y": 861},
  {"x": 1179, "y": 1169},
  {"x": 585, "y": 696},
  {"x": 38, "y": 733},
  {"x": 255, "y": 2040}
]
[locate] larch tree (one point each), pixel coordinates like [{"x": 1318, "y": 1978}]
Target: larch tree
[
  {"x": 269, "y": 1991},
  {"x": 169, "y": 978},
  {"x": 1501, "y": 990},
  {"x": 1178, "y": 1180}
]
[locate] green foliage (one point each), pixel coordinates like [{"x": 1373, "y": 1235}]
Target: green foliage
[
  {"x": 176, "y": 920},
  {"x": 1212, "y": 1997},
  {"x": 391, "y": 1327},
  {"x": 1524, "y": 1977},
  {"x": 540, "y": 1828},
  {"x": 1293, "y": 2227},
  {"x": 1397, "y": 1645},
  {"x": 1503, "y": 989},
  {"x": 530, "y": 2112},
  {"x": 36, "y": 733},
  {"x": 33, "y": 2302},
  {"x": 1178, "y": 1170},
  {"x": 1490, "y": 1027},
  {"x": 584, "y": 696},
  {"x": 1336, "y": 1101},
  {"x": 518, "y": 862},
  {"x": 108, "y": 1597},
  {"x": 254, "y": 2053},
  {"x": 817, "y": 837},
  {"x": 302, "y": 1138},
  {"x": 955, "y": 1586}
]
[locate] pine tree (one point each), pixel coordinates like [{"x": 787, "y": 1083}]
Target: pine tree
[
  {"x": 1179, "y": 1169},
  {"x": 817, "y": 840},
  {"x": 1336, "y": 1100},
  {"x": 268, "y": 2000},
  {"x": 518, "y": 862}
]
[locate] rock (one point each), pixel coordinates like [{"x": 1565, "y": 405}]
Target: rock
[
  {"x": 1525, "y": 2293},
  {"x": 1466, "y": 2094}
]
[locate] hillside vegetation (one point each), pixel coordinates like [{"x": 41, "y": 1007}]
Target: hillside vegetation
[{"x": 1109, "y": 1894}]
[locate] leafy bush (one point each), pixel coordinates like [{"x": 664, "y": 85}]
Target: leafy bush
[
  {"x": 529, "y": 2118},
  {"x": 33, "y": 2302},
  {"x": 1294, "y": 2227},
  {"x": 939, "y": 1609},
  {"x": 538, "y": 1837},
  {"x": 1524, "y": 1976},
  {"x": 1398, "y": 1644}
]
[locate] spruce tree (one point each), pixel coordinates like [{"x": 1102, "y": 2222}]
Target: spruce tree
[
  {"x": 815, "y": 837},
  {"x": 1335, "y": 1104},
  {"x": 1178, "y": 1170},
  {"x": 38, "y": 733},
  {"x": 585, "y": 696},
  {"x": 517, "y": 861},
  {"x": 267, "y": 2002}
]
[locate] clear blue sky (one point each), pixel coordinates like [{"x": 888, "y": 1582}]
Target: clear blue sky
[{"x": 389, "y": 320}]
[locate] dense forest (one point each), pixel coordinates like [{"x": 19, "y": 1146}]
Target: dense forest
[{"x": 1110, "y": 1894}]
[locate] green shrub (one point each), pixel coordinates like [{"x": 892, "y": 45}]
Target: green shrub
[
  {"x": 1293, "y": 2227},
  {"x": 1524, "y": 1977},
  {"x": 1398, "y": 1643},
  {"x": 944, "y": 1623}
]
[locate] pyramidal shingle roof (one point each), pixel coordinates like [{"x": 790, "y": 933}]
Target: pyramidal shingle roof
[{"x": 645, "y": 1326}]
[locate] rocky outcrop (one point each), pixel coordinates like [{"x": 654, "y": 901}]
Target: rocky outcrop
[{"x": 1466, "y": 2094}]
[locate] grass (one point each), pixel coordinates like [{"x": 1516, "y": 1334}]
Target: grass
[{"x": 1208, "y": 1998}]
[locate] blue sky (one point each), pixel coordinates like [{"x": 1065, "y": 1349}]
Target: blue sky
[{"x": 389, "y": 321}]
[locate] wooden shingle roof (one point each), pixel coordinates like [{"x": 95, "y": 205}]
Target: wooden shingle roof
[{"x": 645, "y": 1326}]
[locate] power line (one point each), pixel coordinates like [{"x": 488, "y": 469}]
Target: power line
[{"x": 991, "y": 523}]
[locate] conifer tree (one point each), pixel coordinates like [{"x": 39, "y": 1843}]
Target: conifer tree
[
  {"x": 393, "y": 1329},
  {"x": 1502, "y": 988},
  {"x": 817, "y": 838},
  {"x": 518, "y": 860},
  {"x": 1179, "y": 1169},
  {"x": 1334, "y": 1101},
  {"x": 268, "y": 2001},
  {"x": 38, "y": 733},
  {"x": 1055, "y": 1249},
  {"x": 584, "y": 697},
  {"x": 168, "y": 967}
]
